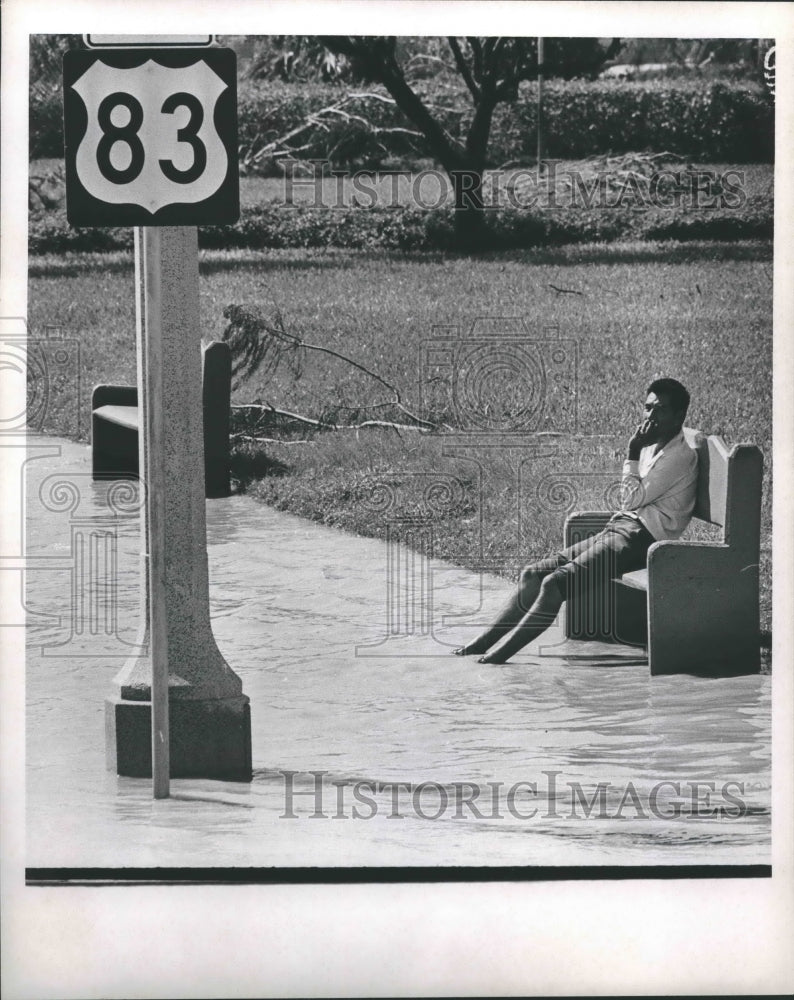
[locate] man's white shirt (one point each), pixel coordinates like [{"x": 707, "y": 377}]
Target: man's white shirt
[{"x": 661, "y": 486}]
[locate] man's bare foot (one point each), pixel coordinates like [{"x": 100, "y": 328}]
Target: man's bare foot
[
  {"x": 473, "y": 649},
  {"x": 494, "y": 657}
]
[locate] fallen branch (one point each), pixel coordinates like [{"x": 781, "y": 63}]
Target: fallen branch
[
  {"x": 261, "y": 440},
  {"x": 251, "y": 332},
  {"x": 386, "y": 423},
  {"x": 397, "y": 401},
  {"x": 322, "y": 424},
  {"x": 267, "y": 408}
]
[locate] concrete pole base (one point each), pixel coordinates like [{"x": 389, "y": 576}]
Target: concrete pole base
[{"x": 209, "y": 739}]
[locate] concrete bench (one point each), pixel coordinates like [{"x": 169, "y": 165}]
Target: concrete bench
[
  {"x": 696, "y": 604},
  {"x": 115, "y": 420}
]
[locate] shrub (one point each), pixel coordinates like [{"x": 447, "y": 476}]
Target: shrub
[
  {"x": 51, "y": 233},
  {"x": 713, "y": 121},
  {"x": 710, "y": 121},
  {"x": 413, "y": 229},
  {"x": 45, "y": 116},
  {"x": 716, "y": 226}
]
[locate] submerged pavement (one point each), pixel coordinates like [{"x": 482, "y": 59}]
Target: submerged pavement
[{"x": 371, "y": 744}]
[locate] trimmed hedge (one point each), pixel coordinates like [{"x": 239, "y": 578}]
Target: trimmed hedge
[
  {"x": 714, "y": 122},
  {"x": 410, "y": 228}
]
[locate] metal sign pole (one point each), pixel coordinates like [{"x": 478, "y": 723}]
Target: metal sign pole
[
  {"x": 154, "y": 446},
  {"x": 540, "y": 103},
  {"x": 150, "y": 140}
]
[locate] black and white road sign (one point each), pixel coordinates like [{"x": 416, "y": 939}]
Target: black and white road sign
[{"x": 151, "y": 137}]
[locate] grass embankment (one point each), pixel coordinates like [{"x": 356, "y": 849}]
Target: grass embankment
[{"x": 700, "y": 313}]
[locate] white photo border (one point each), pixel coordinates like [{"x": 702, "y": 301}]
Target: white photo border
[{"x": 658, "y": 937}]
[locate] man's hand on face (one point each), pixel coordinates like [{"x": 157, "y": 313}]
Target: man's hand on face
[{"x": 644, "y": 435}]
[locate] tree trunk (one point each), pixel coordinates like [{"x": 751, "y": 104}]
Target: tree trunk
[
  {"x": 463, "y": 163},
  {"x": 471, "y": 229}
]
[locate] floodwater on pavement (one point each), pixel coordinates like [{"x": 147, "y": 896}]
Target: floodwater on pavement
[{"x": 370, "y": 748}]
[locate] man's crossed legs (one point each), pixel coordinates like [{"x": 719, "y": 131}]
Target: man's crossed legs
[{"x": 543, "y": 586}]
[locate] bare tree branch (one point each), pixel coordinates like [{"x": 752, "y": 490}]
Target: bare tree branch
[
  {"x": 463, "y": 68},
  {"x": 476, "y": 50},
  {"x": 280, "y": 146},
  {"x": 499, "y": 45},
  {"x": 381, "y": 64}
]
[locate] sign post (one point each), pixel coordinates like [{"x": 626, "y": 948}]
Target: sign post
[
  {"x": 540, "y": 104},
  {"x": 150, "y": 326},
  {"x": 150, "y": 137}
]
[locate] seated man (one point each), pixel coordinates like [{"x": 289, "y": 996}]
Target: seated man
[{"x": 659, "y": 483}]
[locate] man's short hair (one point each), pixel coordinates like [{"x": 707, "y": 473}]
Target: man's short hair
[{"x": 675, "y": 392}]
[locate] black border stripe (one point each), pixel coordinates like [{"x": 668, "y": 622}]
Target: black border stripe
[{"x": 338, "y": 876}]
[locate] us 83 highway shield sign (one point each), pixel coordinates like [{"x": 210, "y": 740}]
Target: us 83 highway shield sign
[{"x": 151, "y": 137}]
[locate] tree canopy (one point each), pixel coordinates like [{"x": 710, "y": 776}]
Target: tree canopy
[{"x": 492, "y": 69}]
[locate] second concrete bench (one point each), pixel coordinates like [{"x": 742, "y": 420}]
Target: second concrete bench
[{"x": 115, "y": 421}]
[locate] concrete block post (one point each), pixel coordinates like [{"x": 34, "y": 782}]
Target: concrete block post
[
  {"x": 209, "y": 719},
  {"x": 216, "y": 388}
]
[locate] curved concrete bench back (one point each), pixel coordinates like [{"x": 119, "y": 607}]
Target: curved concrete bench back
[
  {"x": 696, "y": 605},
  {"x": 114, "y": 424}
]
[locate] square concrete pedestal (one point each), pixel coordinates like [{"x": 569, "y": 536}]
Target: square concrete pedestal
[{"x": 209, "y": 739}]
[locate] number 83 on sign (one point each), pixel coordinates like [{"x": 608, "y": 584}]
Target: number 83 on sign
[{"x": 151, "y": 137}]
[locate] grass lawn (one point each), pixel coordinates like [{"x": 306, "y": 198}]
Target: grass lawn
[{"x": 619, "y": 315}]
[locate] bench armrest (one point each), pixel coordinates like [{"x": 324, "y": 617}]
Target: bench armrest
[
  {"x": 702, "y": 608},
  {"x": 698, "y": 569},
  {"x": 675, "y": 557}
]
